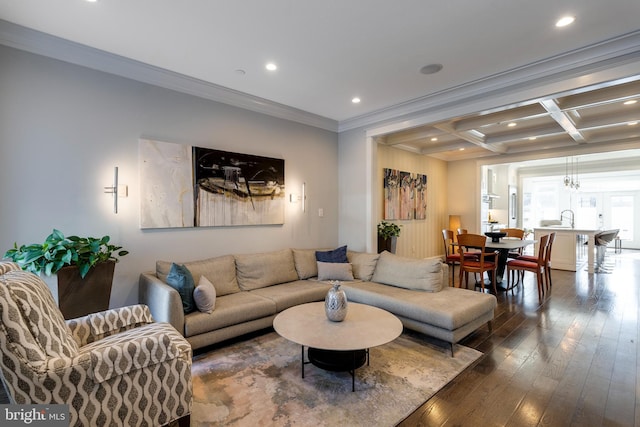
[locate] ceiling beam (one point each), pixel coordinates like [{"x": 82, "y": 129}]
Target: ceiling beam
[
  {"x": 562, "y": 118},
  {"x": 470, "y": 137}
]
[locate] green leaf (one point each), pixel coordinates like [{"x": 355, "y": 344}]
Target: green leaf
[{"x": 84, "y": 269}]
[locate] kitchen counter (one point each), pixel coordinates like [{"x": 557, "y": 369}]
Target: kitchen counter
[{"x": 565, "y": 249}]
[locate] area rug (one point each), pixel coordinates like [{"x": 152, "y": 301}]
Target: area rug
[{"x": 258, "y": 383}]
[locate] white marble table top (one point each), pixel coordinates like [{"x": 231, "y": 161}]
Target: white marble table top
[{"x": 364, "y": 327}]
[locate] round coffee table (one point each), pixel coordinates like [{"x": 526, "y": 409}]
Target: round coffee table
[{"x": 337, "y": 346}]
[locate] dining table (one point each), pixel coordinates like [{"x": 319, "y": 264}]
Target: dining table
[{"x": 504, "y": 245}]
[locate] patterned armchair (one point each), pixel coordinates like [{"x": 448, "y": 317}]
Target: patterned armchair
[{"x": 113, "y": 368}]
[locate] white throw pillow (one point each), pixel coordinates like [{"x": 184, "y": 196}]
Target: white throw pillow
[
  {"x": 334, "y": 271},
  {"x": 205, "y": 295}
]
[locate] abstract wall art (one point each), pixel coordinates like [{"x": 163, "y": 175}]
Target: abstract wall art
[
  {"x": 405, "y": 195},
  {"x": 187, "y": 186}
]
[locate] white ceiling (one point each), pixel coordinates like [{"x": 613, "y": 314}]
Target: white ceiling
[{"x": 330, "y": 51}]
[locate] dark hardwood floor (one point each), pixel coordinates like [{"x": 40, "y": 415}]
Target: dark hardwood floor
[{"x": 571, "y": 360}]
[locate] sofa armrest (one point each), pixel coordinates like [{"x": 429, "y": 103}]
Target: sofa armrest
[
  {"x": 445, "y": 275},
  {"x": 163, "y": 301},
  {"x": 445, "y": 269}
]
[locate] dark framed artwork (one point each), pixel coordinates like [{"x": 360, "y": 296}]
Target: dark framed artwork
[{"x": 237, "y": 189}]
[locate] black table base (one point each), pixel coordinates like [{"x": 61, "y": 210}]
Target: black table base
[{"x": 337, "y": 361}]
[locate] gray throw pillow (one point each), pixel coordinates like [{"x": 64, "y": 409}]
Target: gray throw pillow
[
  {"x": 204, "y": 295},
  {"x": 334, "y": 271}
]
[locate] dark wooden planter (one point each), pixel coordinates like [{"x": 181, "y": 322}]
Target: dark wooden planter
[
  {"x": 78, "y": 297},
  {"x": 387, "y": 244}
]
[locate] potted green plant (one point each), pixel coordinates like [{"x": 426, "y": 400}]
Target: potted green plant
[
  {"x": 388, "y": 233},
  {"x": 84, "y": 268}
]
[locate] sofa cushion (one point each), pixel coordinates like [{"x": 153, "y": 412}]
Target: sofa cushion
[
  {"x": 336, "y": 255},
  {"x": 410, "y": 273},
  {"x": 334, "y": 271},
  {"x": 231, "y": 309},
  {"x": 449, "y": 309},
  {"x": 287, "y": 295},
  {"x": 305, "y": 262},
  {"x": 363, "y": 264},
  {"x": 180, "y": 279},
  {"x": 221, "y": 271},
  {"x": 204, "y": 295},
  {"x": 265, "y": 269}
]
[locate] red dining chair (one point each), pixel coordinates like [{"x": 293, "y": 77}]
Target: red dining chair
[
  {"x": 547, "y": 260},
  {"x": 537, "y": 266},
  {"x": 478, "y": 263},
  {"x": 452, "y": 258}
]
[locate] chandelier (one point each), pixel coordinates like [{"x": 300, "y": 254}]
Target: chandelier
[{"x": 569, "y": 180}]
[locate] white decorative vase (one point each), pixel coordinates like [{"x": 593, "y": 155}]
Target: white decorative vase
[{"x": 335, "y": 303}]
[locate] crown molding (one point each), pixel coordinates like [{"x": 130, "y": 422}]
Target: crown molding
[
  {"x": 29, "y": 40},
  {"x": 571, "y": 68}
]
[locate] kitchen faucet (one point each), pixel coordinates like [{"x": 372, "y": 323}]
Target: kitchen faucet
[{"x": 573, "y": 215}]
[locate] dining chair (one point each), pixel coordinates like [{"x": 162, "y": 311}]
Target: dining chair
[
  {"x": 480, "y": 263},
  {"x": 462, "y": 231},
  {"x": 514, "y": 233},
  {"x": 547, "y": 260},
  {"x": 528, "y": 264},
  {"x": 452, "y": 257}
]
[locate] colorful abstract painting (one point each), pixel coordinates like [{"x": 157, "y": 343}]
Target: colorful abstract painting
[{"x": 405, "y": 195}]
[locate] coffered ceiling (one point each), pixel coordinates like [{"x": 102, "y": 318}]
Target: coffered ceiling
[{"x": 603, "y": 115}]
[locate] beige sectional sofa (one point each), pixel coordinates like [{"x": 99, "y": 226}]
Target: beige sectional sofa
[{"x": 251, "y": 289}]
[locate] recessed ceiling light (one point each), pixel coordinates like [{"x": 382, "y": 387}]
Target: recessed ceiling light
[
  {"x": 434, "y": 139},
  {"x": 431, "y": 68},
  {"x": 271, "y": 66},
  {"x": 630, "y": 102},
  {"x": 565, "y": 20},
  {"x": 632, "y": 123},
  {"x": 512, "y": 124},
  {"x": 460, "y": 149},
  {"x": 356, "y": 100},
  {"x": 532, "y": 138}
]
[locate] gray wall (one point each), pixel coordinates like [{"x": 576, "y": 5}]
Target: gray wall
[{"x": 63, "y": 128}]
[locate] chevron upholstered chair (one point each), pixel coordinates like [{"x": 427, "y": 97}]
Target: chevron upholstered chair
[{"x": 113, "y": 368}]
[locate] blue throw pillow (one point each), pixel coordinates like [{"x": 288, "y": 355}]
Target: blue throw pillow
[
  {"x": 336, "y": 255},
  {"x": 181, "y": 280}
]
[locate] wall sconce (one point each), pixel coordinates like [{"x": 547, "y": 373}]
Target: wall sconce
[
  {"x": 116, "y": 190},
  {"x": 295, "y": 198}
]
